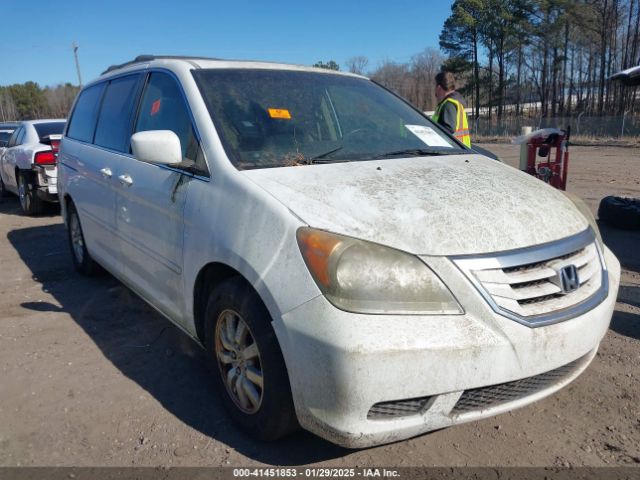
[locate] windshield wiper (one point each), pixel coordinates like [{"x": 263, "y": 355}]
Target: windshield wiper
[
  {"x": 325, "y": 154},
  {"x": 414, "y": 152}
]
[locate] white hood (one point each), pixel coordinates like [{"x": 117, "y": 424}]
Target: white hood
[{"x": 447, "y": 205}]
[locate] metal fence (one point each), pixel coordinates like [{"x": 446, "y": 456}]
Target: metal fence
[{"x": 581, "y": 125}]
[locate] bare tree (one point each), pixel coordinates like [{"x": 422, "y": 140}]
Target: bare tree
[
  {"x": 424, "y": 67},
  {"x": 357, "y": 64},
  {"x": 59, "y": 99},
  {"x": 8, "y": 110},
  {"x": 394, "y": 76},
  {"x": 562, "y": 52}
]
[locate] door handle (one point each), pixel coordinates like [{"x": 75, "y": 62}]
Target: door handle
[
  {"x": 106, "y": 172},
  {"x": 126, "y": 180}
]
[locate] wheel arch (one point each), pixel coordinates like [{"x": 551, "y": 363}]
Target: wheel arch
[
  {"x": 210, "y": 276},
  {"x": 27, "y": 172},
  {"x": 64, "y": 206}
]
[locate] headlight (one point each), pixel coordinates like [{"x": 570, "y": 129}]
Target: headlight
[
  {"x": 364, "y": 277},
  {"x": 586, "y": 213}
]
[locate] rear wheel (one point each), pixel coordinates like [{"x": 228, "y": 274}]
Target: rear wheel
[
  {"x": 248, "y": 366},
  {"x": 82, "y": 261},
  {"x": 29, "y": 201}
]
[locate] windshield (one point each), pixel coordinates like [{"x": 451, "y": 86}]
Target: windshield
[{"x": 276, "y": 118}]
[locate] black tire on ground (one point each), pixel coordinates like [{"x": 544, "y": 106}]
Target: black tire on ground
[
  {"x": 620, "y": 212},
  {"x": 82, "y": 260},
  {"x": 29, "y": 201},
  {"x": 273, "y": 416}
]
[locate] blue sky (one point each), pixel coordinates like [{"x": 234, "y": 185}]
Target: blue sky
[{"x": 37, "y": 35}]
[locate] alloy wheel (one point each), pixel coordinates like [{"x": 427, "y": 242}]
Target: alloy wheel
[
  {"x": 239, "y": 361},
  {"x": 22, "y": 193},
  {"x": 77, "y": 242}
]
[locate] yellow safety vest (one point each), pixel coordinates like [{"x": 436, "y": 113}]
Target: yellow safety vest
[{"x": 462, "y": 125}]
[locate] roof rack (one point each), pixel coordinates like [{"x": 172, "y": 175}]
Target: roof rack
[{"x": 148, "y": 58}]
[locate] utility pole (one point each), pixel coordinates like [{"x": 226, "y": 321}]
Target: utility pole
[{"x": 74, "y": 45}]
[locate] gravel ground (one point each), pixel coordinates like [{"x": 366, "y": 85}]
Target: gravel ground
[{"x": 92, "y": 376}]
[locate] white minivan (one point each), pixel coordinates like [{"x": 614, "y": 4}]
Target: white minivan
[{"x": 348, "y": 266}]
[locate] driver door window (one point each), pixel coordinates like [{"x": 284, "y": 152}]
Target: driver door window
[{"x": 163, "y": 108}]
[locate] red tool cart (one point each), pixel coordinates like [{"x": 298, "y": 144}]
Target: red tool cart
[{"x": 545, "y": 154}]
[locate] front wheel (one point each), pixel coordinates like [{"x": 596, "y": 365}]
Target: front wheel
[
  {"x": 247, "y": 362},
  {"x": 29, "y": 201}
]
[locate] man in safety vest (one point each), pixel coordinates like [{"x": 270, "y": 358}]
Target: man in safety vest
[{"x": 450, "y": 110}]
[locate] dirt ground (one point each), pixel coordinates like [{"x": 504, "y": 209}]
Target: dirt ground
[{"x": 92, "y": 376}]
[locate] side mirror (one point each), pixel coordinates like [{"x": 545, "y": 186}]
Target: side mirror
[{"x": 161, "y": 147}]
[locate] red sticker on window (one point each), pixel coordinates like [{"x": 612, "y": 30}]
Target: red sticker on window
[{"x": 155, "y": 107}]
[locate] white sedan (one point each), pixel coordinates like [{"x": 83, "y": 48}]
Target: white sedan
[{"x": 28, "y": 164}]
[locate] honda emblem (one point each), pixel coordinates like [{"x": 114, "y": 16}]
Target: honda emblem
[{"x": 569, "y": 281}]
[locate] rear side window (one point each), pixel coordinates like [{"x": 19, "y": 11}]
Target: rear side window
[
  {"x": 163, "y": 108},
  {"x": 17, "y": 137},
  {"x": 83, "y": 119},
  {"x": 114, "y": 122},
  {"x": 14, "y": 137},
  {"x": 46, "y": 129}
]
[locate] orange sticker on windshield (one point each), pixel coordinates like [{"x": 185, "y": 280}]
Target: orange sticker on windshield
[{"x": 279, "y": 113}]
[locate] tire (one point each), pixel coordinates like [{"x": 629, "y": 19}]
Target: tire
[
  {"x": 249, "y": 372},
  {"x": 29, "y": 201},
  {"x": 82, "y": 260},
  {"x": 620, "y": 212}
]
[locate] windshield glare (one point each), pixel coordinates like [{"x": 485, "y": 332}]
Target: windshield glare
[{"x": 276, "y": 118}]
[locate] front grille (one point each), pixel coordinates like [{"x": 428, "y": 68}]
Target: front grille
[
  {"x": 530, "y": 290},
  {"x": 399, "y": 408},
  {"x": 487, "y": 397},
  {"x": 526, "y": 285}
]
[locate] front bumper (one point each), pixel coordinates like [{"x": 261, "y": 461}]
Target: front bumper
[{"x": 341, "y": 364}]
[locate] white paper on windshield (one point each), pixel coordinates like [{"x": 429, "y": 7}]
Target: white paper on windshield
[{"x": 428, "y": 135}]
